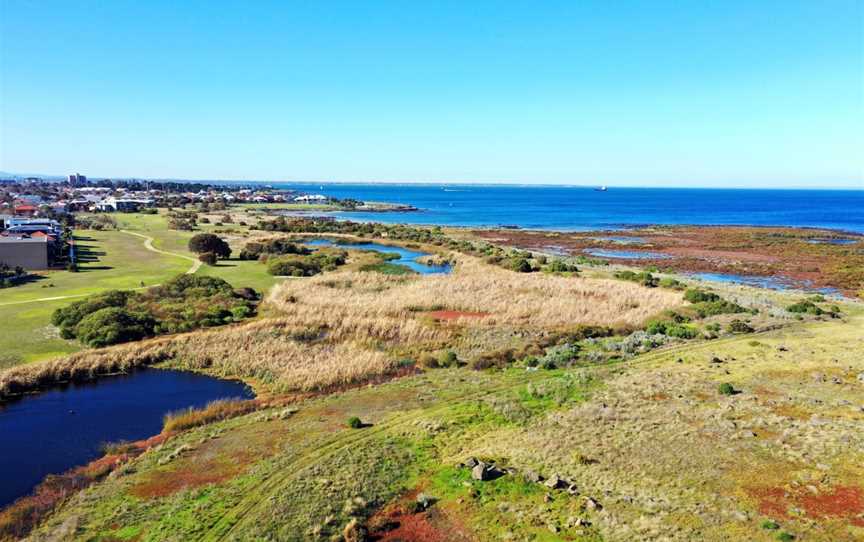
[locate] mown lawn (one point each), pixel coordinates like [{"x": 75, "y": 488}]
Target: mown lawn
[{"x": 108, "y": 260}]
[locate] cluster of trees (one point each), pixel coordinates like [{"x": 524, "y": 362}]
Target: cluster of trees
[
  {"x": 182, "y": 220},
  {"x": 306, "y": 266},
  {"x": 209, "y": 247},
  {"x": 278, "y": 246},
  {"x": 10, "y": 276},
  {"x": 96, "y": 222},
  {"x": 184, "y": 303}
]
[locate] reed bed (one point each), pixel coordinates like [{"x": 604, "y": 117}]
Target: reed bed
[
  {"x": 513, "y": 299},
  {"x": 346, "y": 327}
]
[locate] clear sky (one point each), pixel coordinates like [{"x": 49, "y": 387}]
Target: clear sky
[{"x": 722, "y": 93}]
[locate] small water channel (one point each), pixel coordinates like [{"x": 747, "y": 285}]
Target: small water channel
[
  {"x": 64, "y": 427},
  {"x": 626, "y": 254},
  {"x": 407, "y": 257},
  {"x": 770, "y": 283}
]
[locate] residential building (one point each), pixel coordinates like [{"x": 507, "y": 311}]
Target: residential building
[{"x": 27, "y": 252}]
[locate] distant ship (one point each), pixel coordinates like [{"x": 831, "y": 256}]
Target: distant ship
[{"x": 600, "y": 189}]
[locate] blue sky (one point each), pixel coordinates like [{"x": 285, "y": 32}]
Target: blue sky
[{"x": 620, "y": 93}]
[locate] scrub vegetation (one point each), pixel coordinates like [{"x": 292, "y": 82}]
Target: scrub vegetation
[{"x": 514, "y": 398}]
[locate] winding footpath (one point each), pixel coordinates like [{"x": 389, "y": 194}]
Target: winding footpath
[{"x": 148, "y": 244}]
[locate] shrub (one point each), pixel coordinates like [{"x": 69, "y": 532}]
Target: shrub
[
  {"x": 644, "y": 278},
  {"x": 354, "y": 422},
  {"x": 184, "y": 303},
  {"x": 281, "y": 246},
  {"x": 113, "y": 325},
  {"x": 520, "y": 265},
  {"x": 785, "y": 537},
  {"x": 739, "y": 326},
  {"x": 695, "y": 295},
  {"x": 560, "y": 266},
  {"x": 428, "y": 361},
  {"x": 727, "y": 389},
  {"x": 719, "y": 306},
  {"x": 209, "y": 242},
  {"x": 770, "y": 525},
  {"x": 449, "y": 359},
  {"x": 306, "y": 266},
  {"x": 671, "y": 329},
  {"x": 672, "y": 284},
  {"x": 805, "y": 307}
]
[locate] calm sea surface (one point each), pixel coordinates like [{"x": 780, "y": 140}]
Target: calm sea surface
[{"x": 581, "y": 208}]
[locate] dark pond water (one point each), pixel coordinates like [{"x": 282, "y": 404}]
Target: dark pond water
[
  {"x": 62, "y": 428},
  {"x": 628, "y": 254},
  {"x": 407, "y": 257}
]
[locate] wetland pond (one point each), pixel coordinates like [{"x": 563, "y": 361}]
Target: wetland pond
[
  {"x": 64, "y": 427},
  {"x": 407, "y": 257}
]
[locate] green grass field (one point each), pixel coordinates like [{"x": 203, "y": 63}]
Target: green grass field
[{"x": 108, "y": 260}]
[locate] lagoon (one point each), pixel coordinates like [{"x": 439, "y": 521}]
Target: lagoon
[{"x": 64, "y": 427}]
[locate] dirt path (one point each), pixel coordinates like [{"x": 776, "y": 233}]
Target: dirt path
[{"x": 148, "y": 244}]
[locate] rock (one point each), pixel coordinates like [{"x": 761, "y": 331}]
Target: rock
[
  {"x": 554, "y": 482},
  {"x": 715, "y": 359},
  {"x": 479, "y": 472},
  {"x": 591, "y": 504},
  {"x": 860, "y": 377},
  {"x": 532, "y": 477},
  {"x": 572, "y": 489},
  {"x": 782, "y": 348},
  {"x": 471, "y": 462},
  {"x": 424, "y": 501}
]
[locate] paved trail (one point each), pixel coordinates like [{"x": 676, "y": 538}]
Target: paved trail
[{"x": 148, "y": 244}]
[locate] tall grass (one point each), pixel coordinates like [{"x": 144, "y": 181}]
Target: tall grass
[{"x": 345, "y": 327}]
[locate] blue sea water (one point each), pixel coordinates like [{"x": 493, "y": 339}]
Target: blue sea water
[{"x": 583, "y": 208}]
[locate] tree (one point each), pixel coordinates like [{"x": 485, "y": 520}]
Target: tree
[{"x": 208, "y": 242}]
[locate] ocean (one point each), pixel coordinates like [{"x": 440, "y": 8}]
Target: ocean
[{"x": 584, "y": 208}]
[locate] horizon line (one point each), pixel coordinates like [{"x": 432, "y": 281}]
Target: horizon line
[{"x": 512, "y": 183}]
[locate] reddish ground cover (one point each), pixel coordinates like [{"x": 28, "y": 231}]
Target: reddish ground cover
[
  {"x": 396, "y": 524},
  {"x": 797, "y": 254},
  {"x": 17, "y": 519},
  {"x": 840, "y": 502}
]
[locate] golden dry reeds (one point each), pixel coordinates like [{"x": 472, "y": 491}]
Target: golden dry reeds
[
  {"x": 534, "y": 300},
  {"x": 345, "y": 327}
]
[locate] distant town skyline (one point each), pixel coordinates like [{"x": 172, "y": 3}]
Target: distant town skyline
[{"x": 736, "y": 94}]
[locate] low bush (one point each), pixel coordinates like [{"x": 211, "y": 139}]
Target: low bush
[
  {"x": 278, "y": 246},
  {"x": 671, "y": 329},
  {"x": 306, "y": 266},
  {"x": 739, "y": 326},
  {"x": 644, "y": 278},
  {"x": 184, "y": 303},
  {"x": 354, "y": 422},
  {"x": 695, "y": 295},
  {"x": 805, "y": 307},
  {"x": 719, "y": 306},
  {"x": 727, "y": 389}
]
